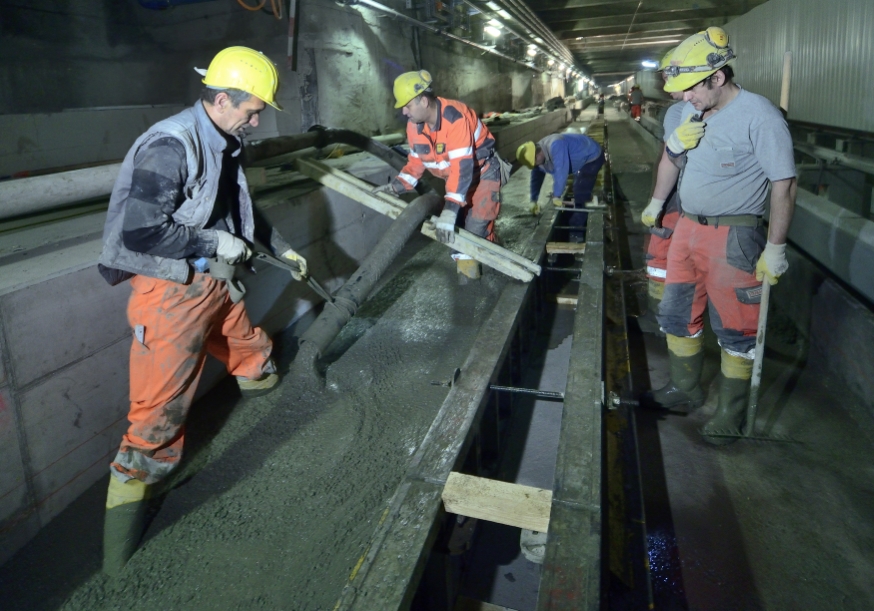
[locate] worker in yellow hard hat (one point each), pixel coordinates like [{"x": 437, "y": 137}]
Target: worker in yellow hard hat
[
  {"x": 733, "y": 145},
  {"x": 662, "y": 213},
  {"x": 447, "y": 138},
  {"x": 562, "y": 156},
  {"x": 180, "y": 217}
]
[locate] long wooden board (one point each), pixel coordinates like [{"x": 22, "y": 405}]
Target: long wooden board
[{"x": 501, "y": 502}]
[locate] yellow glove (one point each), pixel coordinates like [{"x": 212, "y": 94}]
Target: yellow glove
[
  {"x": 301, "y": 262},
  {"x": 556, "y": 201},
  {"x": 651, "y": 212},
  {"x": 772, "y": 264},
  {"x": 534, "y": 207},
  {"x": 686, "y": 136}
]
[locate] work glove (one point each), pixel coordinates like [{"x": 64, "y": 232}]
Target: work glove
[
  {"x": 534, "y": 207},
  {"x": 301, "y": 262},
  {"x": 686, "y": 136},
  {"x": 556, "y": 201},
  {"x": 231, "y": 248},
  {"x": 651, "y": 212},
  {"x": 445, "y": 226},
  {"x": 386, "y": 188},
  {"x": 772, "y": 264}
]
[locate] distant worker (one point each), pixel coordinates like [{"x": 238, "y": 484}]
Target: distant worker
[
  {"x": 561, "y": 155},
  {"x": 601, "y": 104},
  {"x": 732, "y": 144},
  {"x": 447, "y": 139},
  {"x": 659, "y": 216},
  {"x": 180, "y": 216},
  {"x": 635, "y": 98}
]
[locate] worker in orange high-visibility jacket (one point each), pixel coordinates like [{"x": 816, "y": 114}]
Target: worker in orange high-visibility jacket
[{"x": 447, "y": 138}]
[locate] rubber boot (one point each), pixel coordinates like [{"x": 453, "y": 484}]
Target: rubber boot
[
  {"x": 468, "y": 269},
  {"x": 732, "y": 409},
  {"x": 648, "y": 322},
  {"x": 125, "y": 521},
  {"x": 686, "y": 356}
]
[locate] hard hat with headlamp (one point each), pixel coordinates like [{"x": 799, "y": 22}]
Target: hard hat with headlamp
[
  {"x": 666, "y": 60},
  {"x": 244, "y": 69},
  {"x": 411, "y": 85},
  {"x": 696, "y": 58}
]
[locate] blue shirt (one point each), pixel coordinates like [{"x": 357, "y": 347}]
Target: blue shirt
[{"x": 566, "y": 153}]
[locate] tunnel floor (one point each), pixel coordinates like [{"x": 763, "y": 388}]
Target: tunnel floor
[{"x": 278, "y": 496}]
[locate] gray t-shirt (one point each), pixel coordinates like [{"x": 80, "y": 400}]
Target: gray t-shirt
[
  {"x": 673, "y": 117},
  {"x": 636, "y": 96},
  {"x": 745, "y": 145}
]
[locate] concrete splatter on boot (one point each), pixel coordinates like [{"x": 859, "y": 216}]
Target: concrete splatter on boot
[
  {"x": 125, "y": 521},
  {"x": 733, "y": 391},
  {"x": 686, "y": 356},
  {"x": 648, "y": 322}
]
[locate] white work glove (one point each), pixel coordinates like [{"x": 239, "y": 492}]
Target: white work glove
[
  {"x": 686, "y": 136},
  {"x": 445, "y": 226},
  {"x": 772, "y": 264},
  {"x": 386, "y": 188},
  {"x": 231, "y": 248},
  {"x": 651, "y": 212},
  {"x": 301, "y": 262},
  {"x": 534, "y": 208}
]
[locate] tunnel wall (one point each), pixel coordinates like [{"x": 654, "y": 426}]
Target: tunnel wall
[
  {"x": 831, "y": 47},
  {"x": 81, "y": 80}
]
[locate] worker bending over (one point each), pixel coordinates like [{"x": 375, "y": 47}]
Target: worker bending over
[
  {"x": 180, "y": 216},
  {"x": 662, "y": 212},
  {"x": 447, "y": 139},
  {"x": 732, "y": 145},
  {"x": 561, "y": 155}
]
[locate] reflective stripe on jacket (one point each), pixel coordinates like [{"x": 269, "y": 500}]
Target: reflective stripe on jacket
[
  {"x": 204, "y": 148},
  {"x": 458, "y": 145}
]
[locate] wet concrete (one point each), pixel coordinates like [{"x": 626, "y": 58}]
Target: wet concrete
[
  {"x": 757, "y": 524},
  {"x": 278, "y": 496}
]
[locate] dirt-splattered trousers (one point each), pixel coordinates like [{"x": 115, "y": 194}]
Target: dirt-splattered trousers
[
  {"x": 175, "y": 327},
  {"x": 714, "y": 264},
  {"x": 660, "y": 240}
]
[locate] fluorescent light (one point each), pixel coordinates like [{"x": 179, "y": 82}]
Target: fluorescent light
[
  {"x": 493, "y": 6},
  {"x": 532, "y": 52},
  {"x": 648, "y": 63},
  {"x": 550, "y": 62},
  {"x": 504, "y": 14},
  {"x": 492, "y": 31},
  {"x": 495, "y": 23}
]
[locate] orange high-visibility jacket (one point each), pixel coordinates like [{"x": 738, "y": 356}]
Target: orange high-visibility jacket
[{"x": 458, "y": 145}]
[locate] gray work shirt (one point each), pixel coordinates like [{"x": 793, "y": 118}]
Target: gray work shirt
[{"x": 746, "y": 144}]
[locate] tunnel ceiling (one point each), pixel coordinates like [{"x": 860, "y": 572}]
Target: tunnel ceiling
[{"x": 609, "y": 38}]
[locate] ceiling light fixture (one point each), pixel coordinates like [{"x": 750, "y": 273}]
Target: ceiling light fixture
[{"x": 492, "y": 31}]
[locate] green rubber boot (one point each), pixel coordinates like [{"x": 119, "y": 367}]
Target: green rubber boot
[
  {"x": 686, "y": 360},
  {"x": 125, "y": 521},
  {"x": 732, "y": 410}
]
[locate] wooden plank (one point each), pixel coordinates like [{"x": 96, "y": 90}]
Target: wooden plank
[
  {"x": 389, "y": 198},
  {"x": 495, "y": 501},
  {"x": 571, "y": 577},
  {"x": 330, "y": 178},
  {"x": 567, "y": 248},
  {"x": 473, "y": 246},
  {"x": 563, "y": 299}
]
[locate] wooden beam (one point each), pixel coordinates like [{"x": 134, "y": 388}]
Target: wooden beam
[
  {"x": 564, "y": 299},
  {"x": 567, "y": 248},
  {"x": 352, "y": 187},
  {"x": 501, "y": 502},
  {"x": 492, "y": 255}
]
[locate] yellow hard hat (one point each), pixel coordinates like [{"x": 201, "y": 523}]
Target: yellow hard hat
[
  {"x": 696, "y": 58},
  {"x": 244, "y": 69},
  {"x": 409, "y": 85},
  {"x": 666, "y": 60},
  {"x": 526, "y": 153}
]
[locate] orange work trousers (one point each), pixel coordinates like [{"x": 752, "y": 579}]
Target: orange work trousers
[
  {"x": 485, "y": 202},
  {"x": 175, "y": 327},
  {"x": 657, "y": 251},
  {"x": 713, "y": 267}
]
